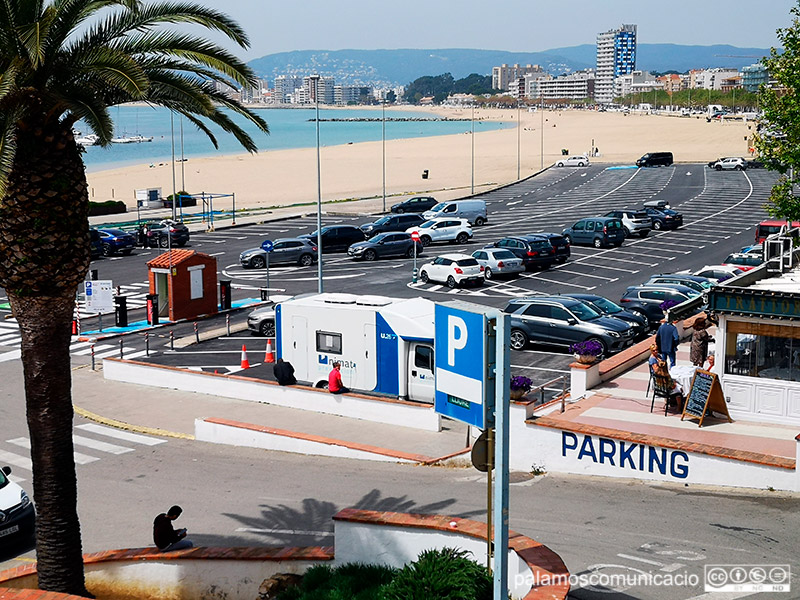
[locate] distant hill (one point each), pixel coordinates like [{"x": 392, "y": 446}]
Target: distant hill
[{"x": 399, "y": 67}]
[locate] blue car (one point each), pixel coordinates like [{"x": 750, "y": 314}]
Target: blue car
[{"x": 116, "y": 241}]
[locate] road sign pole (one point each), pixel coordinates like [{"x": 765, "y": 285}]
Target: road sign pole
[
  {"x": 267, "y": 246},
  {"x": 489, "y": 461},
  {"x": 268, "y": 275},
  {"x": 502, "y": 383}
]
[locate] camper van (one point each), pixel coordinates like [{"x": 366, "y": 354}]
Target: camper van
[
  {"x": 473, "y": 211},
  {"x": 384, "y": 345}
]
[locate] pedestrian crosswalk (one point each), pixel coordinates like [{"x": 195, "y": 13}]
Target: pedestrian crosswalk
[{"x": 90, "y": 447}]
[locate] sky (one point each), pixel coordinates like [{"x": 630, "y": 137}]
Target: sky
[{"x": 514, "y": 25}]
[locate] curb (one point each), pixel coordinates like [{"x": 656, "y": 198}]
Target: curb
[{"x": 128, "y": 427}]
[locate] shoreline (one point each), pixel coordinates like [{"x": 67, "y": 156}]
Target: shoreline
[{"x": 350, "y": 171}]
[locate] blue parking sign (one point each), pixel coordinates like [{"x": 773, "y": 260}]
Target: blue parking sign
[
  {"x": 267, "y": 245},
  {"x": 464, "y": 359}
]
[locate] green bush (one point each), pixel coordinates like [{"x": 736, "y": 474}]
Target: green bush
[
  {"x": 446, "y": 574},
  {"x": 109, "y": 207},
  {"x": 348, "y": 582}
]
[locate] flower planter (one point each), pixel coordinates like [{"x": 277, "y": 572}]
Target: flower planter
[
  {"x": 586, "y": 359},
  {"x": 517, "y": 394}
]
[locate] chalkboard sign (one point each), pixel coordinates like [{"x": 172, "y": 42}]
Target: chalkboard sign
[{"x": 705, "y": 395}]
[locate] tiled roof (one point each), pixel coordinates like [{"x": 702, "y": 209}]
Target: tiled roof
[{"x": 171, "y": 258}]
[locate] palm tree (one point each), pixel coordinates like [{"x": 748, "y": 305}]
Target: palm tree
[{"x": 65, "y": 60}]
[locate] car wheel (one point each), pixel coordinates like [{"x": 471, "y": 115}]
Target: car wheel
[
  {"x": 163, "y": 242},
  {"x": 738, "y": 167},
  {"x": 410, "y": 252},
  {"x": 462, "y": 238},
  {"x": 451, "y": 282},
  {"x": 258, "y": 262},
  {"x": 425, "y": 240},
  {"x": 370, "y": 255},
  {"x": 518, "y": 339},
  {"x": 569, "y": 239},
  {"x": 267, "y": 328},
  {"x": 480, "y": 221},
  {"x": 424, "y": 276},
  {"x": 598, "y": 243},
  {"x": 603, "y": 345},
  {"x": 657, "y": 225},
  {"x": 107, "y": 250},
  {"x": 580, "y": 164},
  {"x": 718, "y": 168},
  {"x": 306, "y": 260},
  {"x": 400, "y": 211},
  {"x": 487, "y": 273},
  {"x": 560, "y": 164}
]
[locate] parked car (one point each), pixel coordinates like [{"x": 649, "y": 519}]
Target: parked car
[
  {"x": 473, "y": 211},
  {"x": 337, "y": 238},
  {"x": 534, "y": 251},
  {"x": 655, "y": 159},
  {"x": 262, "y": 320},
  {"x": 498, "y": 261},
  {"x": 16, "y": 509},
  {"x": 659, "y": 204},
  {"x": 606, "y": 307},
  {"x": 95, "y": 243},
  {"x": 116, "y": 241},
  {"x": 393, "y": 243},
  {"x": 743, "y": 261},
  {"x": 697, "y": 283},
  {"x": 301, "y": 251},
  {"x": 452, "y": 269},
  {"x": 559, "y": 243},
  {"x": 417, "y": 204},
  {"x": 717, "y": 273},
  {"x": 755, "y": 164},
  {"x": 646, "y": 300},
  {"x": 596, "y": 231},
  {"x": 443, "y": 230},
  {"x": 664, "y": 218},
  {"x": 164, "y": 234},
  {"x": 564, "y": 321},
  {"x": 753, "y": 249},
  {"x": 392, "y": 223},
  {"x": 731, "y": 163},
  {"x": 573, "y": 161},
  {"x": 634, "y": 222}
]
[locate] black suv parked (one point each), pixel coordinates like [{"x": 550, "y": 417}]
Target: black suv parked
[
  {"x": 392, "y": 223},
  {"x": 559, "y": 243},
  {"x": 165, "y": 234},
  {"x": 646, "y": 300},
  {"x": 664, "y": 218},
  {"x": 607, "y": 308},
  {"x": 337, "y": 238},
  {"x": 417, "y": 204},
  {"x": 534, "y": 250},
  {"x": 564, "y": 321},
  {"x": 655, "y": 159}
]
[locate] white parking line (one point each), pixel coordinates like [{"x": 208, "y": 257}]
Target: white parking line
[{"x": 588, "y": 275}]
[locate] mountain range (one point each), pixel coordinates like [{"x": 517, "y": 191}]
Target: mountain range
[{"x": 400, "y": 67}]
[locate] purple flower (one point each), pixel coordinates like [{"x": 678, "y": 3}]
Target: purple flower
[
  {"x": 667, "y": 304},
  {"x": 520, "y": 382},
  {"x": 587, "y": 348}
]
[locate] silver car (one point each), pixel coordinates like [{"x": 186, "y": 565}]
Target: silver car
[
  {"x": 285, "y": 250},
  {"x": 497, "y": 261},
  {"x": 262, "y": 320}
]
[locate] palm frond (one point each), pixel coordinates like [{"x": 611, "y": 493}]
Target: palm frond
[
  {"x": 8, "y": 147},
  {"x": 33, "y": 35}
]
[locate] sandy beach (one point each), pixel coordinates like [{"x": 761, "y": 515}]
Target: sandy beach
[{"x": 282, "y": 177}]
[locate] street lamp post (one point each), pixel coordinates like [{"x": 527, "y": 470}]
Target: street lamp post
[
  {"x": 518, "y": 140},
  {"x": 174, "y": 191},
  {"x": 541, "y": 129},
  {"x": 315, "y": 79},
  {"x": 472, "y": 139},
  {"x": 383, "y": 148}
]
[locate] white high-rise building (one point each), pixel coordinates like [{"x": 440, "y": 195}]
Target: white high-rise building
[
  {"x": 616, "y": 55},
  {"x": 285, "y": 85}
]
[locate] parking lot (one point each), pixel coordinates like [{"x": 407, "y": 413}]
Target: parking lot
[{"x": 720, "y": 210}]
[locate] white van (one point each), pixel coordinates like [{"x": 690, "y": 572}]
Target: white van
[{"x": 473, "y": 211}]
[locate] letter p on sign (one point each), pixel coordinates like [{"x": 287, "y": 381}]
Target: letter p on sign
[{"x": 456, "y": 337}]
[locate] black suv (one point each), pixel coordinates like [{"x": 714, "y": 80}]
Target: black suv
[
  {"x": 417, "y": 204},
  {"x": 606, "y": 307},
  {"x": 564, "y": 321},
  {"x": 392, "y": 223},
  {"x": 664, "y": 218},
  {"x": 534, "y": 250},
  {"x": 655, "y": 159},
  {"x": 165, "y": 234},
  {"x": 646, "y": 300},
  {"x": 337, "y": 238},
  {"x": 559, "y": 243}
]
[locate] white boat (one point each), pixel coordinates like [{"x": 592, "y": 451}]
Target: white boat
[
  {"x": 131, "y": 139},
  {"x": 87, "y": 140}
]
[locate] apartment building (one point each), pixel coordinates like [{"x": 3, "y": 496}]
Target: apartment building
[
  {"x": 285, "y": 86},
  {"x": 504, "y": 75},
  {"x": 616, "y": 56},
  {"x": 635, "y": 82},
  {"x": 573, "y": 86},
  {"x": 753, "y": 76},
  {"x": 316, "y": 88},
  {"x": 352, "y": 94}
]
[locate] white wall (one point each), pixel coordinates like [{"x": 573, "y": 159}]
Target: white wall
[{"x": 416, "y": 416}]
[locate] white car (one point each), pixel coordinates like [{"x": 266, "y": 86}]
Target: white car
[
  {"x": 452, "y": 269},
  {"x": 731, "y": 163},
  {"x": 443, "y": 230},
  {"x": 16, "y": 509},
  {"x": 574, "y": 161},
  {"x": 717, "y": 272},
  {"x": 498, "y": 261}
]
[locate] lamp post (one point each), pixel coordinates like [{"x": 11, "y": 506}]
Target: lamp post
[
  {"x": 472, "y": 139},
  {"x": 518, "y": 140},
  {"x": 315, "y": 80},
  {"x": 541, "y": 129},
  {"x": 383, "y": 148}
]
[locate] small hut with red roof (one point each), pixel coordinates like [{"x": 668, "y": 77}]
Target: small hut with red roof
[{"x": 186, "y": 284}]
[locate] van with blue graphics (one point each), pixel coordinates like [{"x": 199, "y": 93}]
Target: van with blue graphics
[{"x": 384, "y": 345}]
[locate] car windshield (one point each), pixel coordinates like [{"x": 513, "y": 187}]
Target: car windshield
[
  {"x": 500, "y": 254},
  {"x": 381, "y": 221},
  {"x": 380, "y": 237},
  {"x": 467, "y": 262},
  {"x": 428, "y": 224},
  {"x": 438, "y": 207},
  {"x": 583, "y": 311},
  {"x": 606, "y": 305},
  {"x": 3, "y": 480}
]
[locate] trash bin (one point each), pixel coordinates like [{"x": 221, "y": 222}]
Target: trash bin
[
  {"x": 425, "y": 174},
  {"x": 564, "y": 151},
  {"x": 152, "y": 309},
  {"x": 121, "y": 311},
  {"x": 224, "y": 294}
]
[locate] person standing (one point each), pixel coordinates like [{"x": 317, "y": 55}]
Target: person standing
[
  {"x": 335, "y": 385},
  {"x": 698, "y": 351},
  {"x": 668, "y": 339},
  {"x": 284, "y": 372},
  {"x": 165, "y": 537}
]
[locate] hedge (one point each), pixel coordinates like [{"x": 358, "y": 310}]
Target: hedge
[{"x": 109, "y": 207}]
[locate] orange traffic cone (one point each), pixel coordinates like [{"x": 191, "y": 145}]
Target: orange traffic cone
[
  {"x": 269, "y": 357},
  {"x": 245, "y": 362}
]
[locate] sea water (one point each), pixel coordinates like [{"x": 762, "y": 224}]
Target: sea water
[{"x": 289, "y": 128}]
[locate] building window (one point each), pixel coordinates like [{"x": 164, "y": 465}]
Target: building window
[
  {"x": 329, "y": 342},
  {"x": 763, "y": 350}
]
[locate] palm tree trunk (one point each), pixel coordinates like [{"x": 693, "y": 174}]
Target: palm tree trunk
[{"x": 44, "y": 325}]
